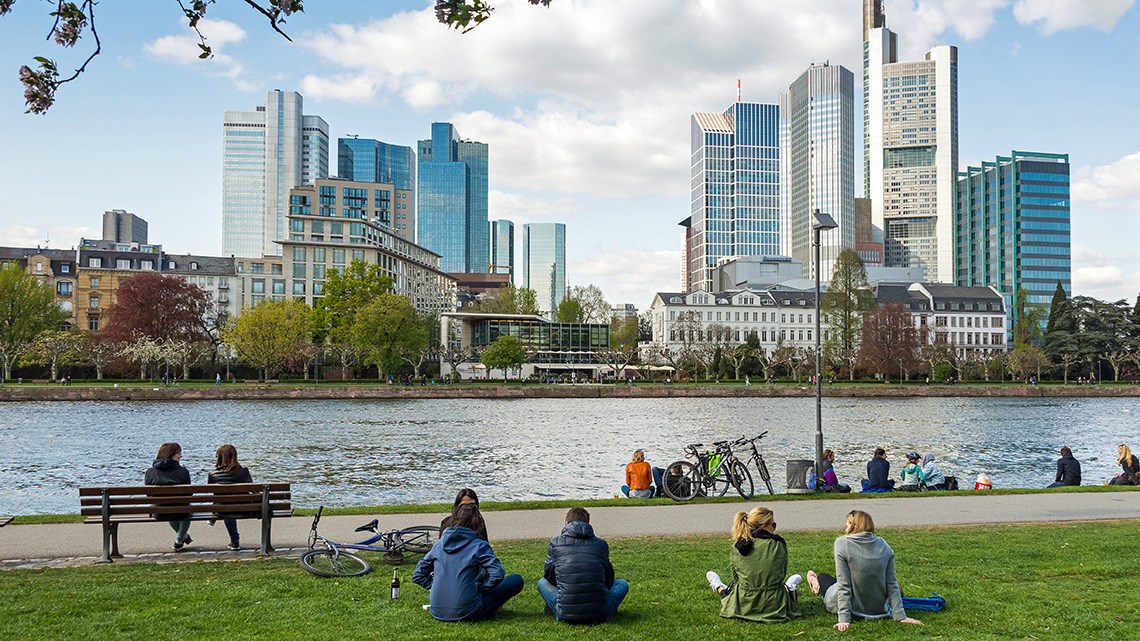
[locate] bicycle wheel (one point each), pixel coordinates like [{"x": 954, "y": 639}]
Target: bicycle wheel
[
  {"x": 681, "y": 481},
  {"x": 417, "y": 539},
  {"x": 719, "y": 483},
  {"x": 764, "y": 474},
  {"x": 328, "y": 563},
  {"x": 742, "y": 479}
]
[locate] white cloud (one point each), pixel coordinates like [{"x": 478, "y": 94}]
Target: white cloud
[
  {"x": 183, "y": 49},
  {"x": 1099, "y": 275},
  {"x": 57, "y": 236},
  {"x": 1052, "y": 16},
  {"x": 521, "y": 209},
  {"x": 1112, "y": 186},
  {"x": 346, "y": 88},
  {"x": 629, "y": 276}
]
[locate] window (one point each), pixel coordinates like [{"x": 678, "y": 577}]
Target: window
[
  {"x": 258, "y": 286},
  {"x": 275, "y": 269},
  {"x": 338, "y": 256},
  {"x": 93, "y": 324},
  {"x": 146, "y": 264},
  {"x": 279, "y": 286},
  {"x": 39, "y": 266},
  {"x": 93, "y": 302},
  {"x": 318, "y": 254},
  {"x": 298, "y": 270},
  {"x": 94, "y": 262},
  {"x": 193, "y": 265},
  {"x": 63, "y": 288},
  {"x": 318, "y": 272},
  {"x": 257, "y": 268},
  {"x": 298, "y": 254},
  {"x": 94, "y": 281},
  {"x": 298, "y": 287},
  {"x": 65, "y": 269}
]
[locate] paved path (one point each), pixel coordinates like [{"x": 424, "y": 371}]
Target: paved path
[{"x": 80, "y": 544}]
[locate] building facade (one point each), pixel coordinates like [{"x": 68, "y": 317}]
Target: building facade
[
  {"x": 372, "y": 161},
  {"x": 265, "y": 153},
  {"x": 259, "y": 280},
  {"x": 452, "y": 205},
  {"x": 503, "y": 248},
  {"x": 543, "y": 266},
  {"x": 817, "y": 163},
  {"x": 103, "y": 265},
  {"x": 54, "y": 268},
  {"x": 571, "y": 349},
  {"x": 970, "y": 320},
  {"x": 735, "y": 189},
  {"x": 1013, "y": 227},
  {"x": 215, "y": 275},
  {"x": 910, "y": 146},
  {"x": 121, "y": 226}
]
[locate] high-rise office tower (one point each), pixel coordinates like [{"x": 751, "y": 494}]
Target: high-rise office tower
[
  {"x": 503, "y": 248},
  {"x": 265, "y": 153},
  {"x": 910, "y": 148},
  {"x": 817, "y": 163},
  {"x": 544, "y": 264},
  {"x": 452, "y": 204},
  {"x": 735, "y": 189},
  {"x": 1013, "y": 227},
  {"x": 124, "y": 227},
  {"x": 372, "y": 161}
]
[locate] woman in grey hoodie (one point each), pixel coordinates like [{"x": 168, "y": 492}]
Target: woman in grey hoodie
[{"x": 864, "y": 584}]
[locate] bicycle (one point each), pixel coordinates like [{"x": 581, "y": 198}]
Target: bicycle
[
  {"x": 756, "y": 459},
  {"x": 333, "y": 559},
  {"x": 712, "y": 474}
]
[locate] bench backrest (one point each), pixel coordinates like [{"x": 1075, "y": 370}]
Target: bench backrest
[{"x": 234, "y": 498}]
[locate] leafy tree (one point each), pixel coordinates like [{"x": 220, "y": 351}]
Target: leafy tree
[
  {"x": 847, "y": 299},
  {"x": 385, "y": 330},
  {"x": 1027, "y": 319},
  {"x": 96, "y": 350},
  {"x": 468, "y": 14},
  {"x": 55, "y": 348},
  {"x": 593, "y": 303},
  {"x": 27, "y": 309},
  {"x": 505, "y": 353},
  {"x": 1027, "y": 360},
  {"x": 159, "y": 307},
  {"x": 623, "y": 345},
  {"x": 1060, "y": 312},
  {"x": 345, "y": 292},
  {"x": 508, "y": 300},
  {"x": 271, "y": 335},
  {"x": 416, "y": 352},
  {"x": 738, "y": 355},
  {"x": 934, "y": 354},
  {"x": 1061, "y": 343},
  {"x": 645, "y": 324},
  {"x": 889, "y": 341},
  {"x": 569, "y": 311}
]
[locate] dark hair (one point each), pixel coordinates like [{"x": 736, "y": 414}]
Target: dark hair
[
  {"x": 168, "y": 450},
  {"x": 1065, "y": 451},
  {"x": 577, "y": 514},
  {"x": 227, "y": 458},
  {"x": 880, "y": 452},
  {"x": 465, "y": 492},
  {"x": 466, "y": 515}
]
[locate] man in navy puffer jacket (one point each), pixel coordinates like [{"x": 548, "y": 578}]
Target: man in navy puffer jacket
[{"x": 578, "y": 582}]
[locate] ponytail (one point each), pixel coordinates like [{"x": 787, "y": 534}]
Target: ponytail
[{"x": 741, "y": 528}]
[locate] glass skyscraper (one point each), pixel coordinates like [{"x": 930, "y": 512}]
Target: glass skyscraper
[
  {"x": 265, "y": 153},
  {"x": 544, "y": 264},
  {"x": 1013, "y": 227},
  {"x": 503, "y": 248},
  {"x": 452, "y": 204},
  {"x": 817, "y": 163},
  {"x": 735, "y": 189},
  {"x": 372, "y": 161}
]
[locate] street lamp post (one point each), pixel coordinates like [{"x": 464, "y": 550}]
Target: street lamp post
[{"x": 819, "y": 222}]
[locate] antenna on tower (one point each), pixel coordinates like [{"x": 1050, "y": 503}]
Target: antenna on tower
[
  {"x": 47, "y": 241},
  {"x": 738, "y": 90}
]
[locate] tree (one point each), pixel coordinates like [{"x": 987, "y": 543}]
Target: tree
[
  {"x": 468, "y": 14},
  {"x": 593, "y": 303},
  {"x": 1027, "y": 320},
  {"x": 508, "y": 300},
  {"x": 738, "y": 355},
  {"x": 56, "y": 347},
  {"x": 159, "y": 307},
  {"x": 27, "y": 309},
  {"x": 645, "y": 324},
  {"x": 847, "y": 299},
  {"x": 1026, "y": 360},
  {"x": 347, "y": 291},
  {"x": 623, "y": 345},
  {"x": 95, "y": 350},
  {"x": 271, "y": 334},
  {"x": 889, "y": 341},
  {"x": 569, "y": 311},
  {"x": 385, "y": 330},
  {"x": 505, "y": 353},
  {"x": 414, "y": 353},
  {"x": 934, "y": 354}
]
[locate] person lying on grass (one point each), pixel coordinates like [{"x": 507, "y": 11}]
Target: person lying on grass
[
  {"x": 864, "y": 584},
  {"x": 759, "y": 560}
]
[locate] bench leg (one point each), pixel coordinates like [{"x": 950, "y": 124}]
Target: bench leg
[
  {"x": 107, "y": 528},
  {"x": 115, "y": 540},
  {"x": 266, "y": 527}
]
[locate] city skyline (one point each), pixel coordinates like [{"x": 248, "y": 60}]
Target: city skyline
[{"x": 609, "y": 154}]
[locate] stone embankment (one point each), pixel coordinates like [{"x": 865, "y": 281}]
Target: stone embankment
[{"x": 285, "y": 391}]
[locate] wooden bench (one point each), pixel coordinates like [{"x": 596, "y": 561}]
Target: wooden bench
[
  {"x": 111, "y": 506},
  {"x": 5, "y": 520}
]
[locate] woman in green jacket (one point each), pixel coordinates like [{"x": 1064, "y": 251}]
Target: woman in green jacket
[{"x": 759, "y": 560}]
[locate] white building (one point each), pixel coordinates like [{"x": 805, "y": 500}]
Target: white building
[
  {"x": 213, "y": 274},
  {"x": 970, "y": 320},
  {"x": 265, "y": 153}
]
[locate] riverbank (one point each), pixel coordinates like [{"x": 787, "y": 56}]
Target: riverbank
[{"x": 491, "y": 390}]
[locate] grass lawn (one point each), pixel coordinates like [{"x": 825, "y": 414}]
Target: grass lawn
[{"x": 1064, "y": 581}]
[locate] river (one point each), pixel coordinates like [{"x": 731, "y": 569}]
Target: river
[{"x": 350, "y": 452}]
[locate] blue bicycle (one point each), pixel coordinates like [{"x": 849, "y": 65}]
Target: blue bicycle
[{"x": 327, "y": 558}]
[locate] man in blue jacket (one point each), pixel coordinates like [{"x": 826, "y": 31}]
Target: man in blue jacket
[{"x": 578, "y": 582}]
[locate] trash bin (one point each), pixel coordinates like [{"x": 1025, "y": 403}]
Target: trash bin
[{"x": 797, "y": 475}]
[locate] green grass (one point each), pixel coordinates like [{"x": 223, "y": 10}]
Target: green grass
[{"x": 1068, "y": 581}]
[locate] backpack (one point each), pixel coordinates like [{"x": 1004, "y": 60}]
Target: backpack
[
  {"x": 951, "y": 482},
  {"x": 932, "y": 603}
]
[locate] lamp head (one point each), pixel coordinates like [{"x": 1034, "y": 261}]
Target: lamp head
[{"x": 821, "y": 221}]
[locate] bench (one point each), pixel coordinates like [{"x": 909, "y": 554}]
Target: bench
[
  {"x": 111, "y": 506},
  {"x": 5, "y": 520}
]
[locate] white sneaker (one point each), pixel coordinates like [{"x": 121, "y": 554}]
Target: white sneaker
[
  {"x": 793, "y": 582},
  {"x": 714, "y": 581}
]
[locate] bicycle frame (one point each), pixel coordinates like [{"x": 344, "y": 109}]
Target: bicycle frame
[{"x": 391, "y": 542}]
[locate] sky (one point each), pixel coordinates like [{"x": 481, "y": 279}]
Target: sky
[{"x": 585, "y": 106}]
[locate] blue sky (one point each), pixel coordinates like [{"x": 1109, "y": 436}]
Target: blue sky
[{"x": 585, "y": 106}]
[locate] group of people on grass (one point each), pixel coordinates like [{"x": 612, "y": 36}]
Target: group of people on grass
[
  {"x": 921, "y": 472},
  {"x": 167, "y": 469},
  {"x": 1069, "y": 468},
  {"x": 466, "y": 581}
]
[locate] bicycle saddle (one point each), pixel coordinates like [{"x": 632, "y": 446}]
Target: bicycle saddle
[{"x": 368, "y": 527}]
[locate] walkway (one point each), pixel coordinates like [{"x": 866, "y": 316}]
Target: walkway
[{"x": 74, "y": 544}]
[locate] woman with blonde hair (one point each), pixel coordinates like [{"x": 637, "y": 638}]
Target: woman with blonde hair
[
  {"x": 759, "y": 561},
  {"x": 640, "y": 478},
  {"x": 864, "y": 584},
  {"x": 1130, "y": 467}
]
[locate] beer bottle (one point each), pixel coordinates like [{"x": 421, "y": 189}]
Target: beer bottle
[{"x": 395, "y": 584}]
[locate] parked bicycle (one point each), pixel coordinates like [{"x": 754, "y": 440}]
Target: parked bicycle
[
  {"x": 709, "y": 474},
  {"x": 757, "y": 460},
  {"x": 332, "y": 559}
]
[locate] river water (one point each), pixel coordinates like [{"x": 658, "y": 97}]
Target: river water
[{"x": 350, "y": 452}]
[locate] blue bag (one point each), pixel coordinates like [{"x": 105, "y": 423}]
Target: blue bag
[{"x": 932, "y": 603}]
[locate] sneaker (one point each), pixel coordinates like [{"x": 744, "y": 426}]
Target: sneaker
[
  {"x": 234, "y": 545},
  {"x": 188, "y": 540},
  {"x": 178, "y": 546},
  {"x": 793, "y": 582},
  {"x": 715, "y": 583}
]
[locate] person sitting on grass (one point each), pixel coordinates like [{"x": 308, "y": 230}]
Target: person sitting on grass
[
  {"x": 464, "y": 577},
  {"x": 578, "y": 583},
  {"x": 641, "y": 480},
  {"x": 467, "y": 496},
  {"x": 1068, "y": 470},
  {"x": 934, "y": 479},
  {"x": 1129, "y": 465},
  {"x": 864, "y": 585},
  {"x": 759, "y": 561},
  {"x": 879, "y": 473},
  {"x": 911, "y": 474},
  {"x": 830, "y": 479}
]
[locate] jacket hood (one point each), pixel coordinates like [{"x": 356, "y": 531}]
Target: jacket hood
[
  {"x": 578, "y": 530},
  {"x": 165, "y": 464},
  {"x": 744, "y": 546},
  {"x": 928, "y": 457},
  {"x": 457, "y": 538}
]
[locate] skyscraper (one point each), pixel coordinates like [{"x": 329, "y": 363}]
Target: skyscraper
[
  {"x": 817, "y": 163},
  {"x": 735, "y": 189},
  {"x": 503, "y": 248},
  {"x": 544, "y": 264},
  {"x": 452, "y": 204},
  {"x": 265, "y": 153},
  {"x": 372, "y": 161},
  {"x": 122, "y": 226},
  {"x": 910, "y": 148},
  {"x": 1013, "y": 227}
]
